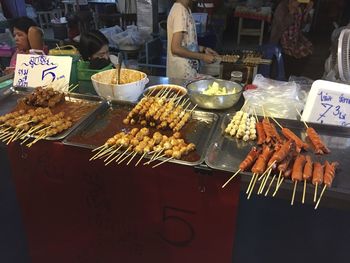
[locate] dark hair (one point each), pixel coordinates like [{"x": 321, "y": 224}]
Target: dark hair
[
  {"x": 22, "y": 23},
  {"x": 91, "y": 42}
]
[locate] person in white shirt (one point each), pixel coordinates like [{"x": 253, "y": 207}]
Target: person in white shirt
[{"x": 183, "y": 52}]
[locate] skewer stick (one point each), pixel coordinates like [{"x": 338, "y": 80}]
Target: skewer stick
[
  {"x": 120, "y": 156},
  {"x": 252, "y": 188},
  {"x": 319, "y": 199},
  {"x": 304, "y": 190},
  {"x": 185, "y": 101},
  {"x": 256, "y": 116},
  {"x": 265, "y": 181},
  {"x": 132, "y": 157},
  {"x": 276, "y": 122},
  {"x": 112, "y": 153},
  {"x": 143, "y": 155},
  {"x": 126, "y": 157},
  {"x": 250, "y": 184},
  {"x": 13, "y": 136},
  {"x": 233, "y": 176},
  {"x": 307, "y": 126},
  {"x": 315, "y": 194},
  {"x": 267, "y": 170},
  {"x": 195, "y": 106},
  {"x": 155, "y": 159},
  {"x": 100, "y": 152},
  {"x": 70, "y": 90},
  {"x": 18, "y": 135},
  {"x": 294, "y": 189},
  {"x": 278, "y": 183},
  {"x": 268, "y": 189},
  {"x": 166, "y": 160},
  {"x": 102, "y": 146},
  {"x": 111, "y": 160},
  {"x": 244, "y": 104},
  {"x": 263, "y": 110}
]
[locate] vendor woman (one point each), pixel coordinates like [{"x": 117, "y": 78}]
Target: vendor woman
[
  {"x": 183, "y": 52},
  {"x": 93, "y": 47},
  {"x": 27, "y": 36}
]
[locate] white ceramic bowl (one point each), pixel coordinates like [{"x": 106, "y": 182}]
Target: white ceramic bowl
[{"x": 133, "y": 84}]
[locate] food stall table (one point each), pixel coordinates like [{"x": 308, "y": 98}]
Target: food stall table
[{"x": 79, "y": 211}]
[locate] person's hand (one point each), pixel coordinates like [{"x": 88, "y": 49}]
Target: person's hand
[
  {"x": 208, "y": 50},
  {"x": 208, "y": 58}
]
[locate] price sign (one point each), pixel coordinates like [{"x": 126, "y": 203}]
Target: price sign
[
  {"x": 41, "y": 70},
  {"x": 328, "y": 103}
]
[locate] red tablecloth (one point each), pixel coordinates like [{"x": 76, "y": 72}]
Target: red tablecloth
[{"x": 79, "y": 211}]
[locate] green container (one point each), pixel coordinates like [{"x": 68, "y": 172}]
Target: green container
[
  {"x": 84, "y": 76},
  {"x": 74, "y": 70}
]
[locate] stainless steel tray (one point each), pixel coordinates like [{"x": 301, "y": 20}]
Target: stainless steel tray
[
  {"x": 226, "y": 153},
  {"x": 77, "y": 106},
  {"x": 107, "y": 121}
]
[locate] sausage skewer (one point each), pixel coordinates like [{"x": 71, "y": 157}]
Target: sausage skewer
[
  {"x": 307, "y": 174},
  {"x": 292, "y": 136},
  {"x": 329, "y": 173},
  {"x": 317, "y": 177},
  {"x": 297, "y": 173},
  {"x": 245, "y": 164}
]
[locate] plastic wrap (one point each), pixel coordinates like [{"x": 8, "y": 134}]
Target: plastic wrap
[{"x": 278, "y": 99}]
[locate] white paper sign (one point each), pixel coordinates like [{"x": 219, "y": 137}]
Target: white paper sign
[
  {"x": 328, "y": 103},
  {"x": 41, "y": 70}
]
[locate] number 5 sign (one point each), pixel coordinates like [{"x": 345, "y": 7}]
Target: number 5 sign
[{"x": 41, "y": 70}]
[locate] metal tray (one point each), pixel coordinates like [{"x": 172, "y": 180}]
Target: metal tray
[
  {"x": 226, "y": 153},
  {"x": 107, "y": 121},
  {"x": 78, "y": 105}
]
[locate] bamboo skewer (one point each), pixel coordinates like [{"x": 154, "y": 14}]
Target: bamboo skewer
[
  {"x": 267, "y": 170},
  {"x": 143, "y": 155},
  {"x": 166, "y": 160},
  {"x": 276, "y": 122},
  {"x": 132, "y": 157},
  {"x": 278, "y": 183},
  {"x": 300, "y": 118},
  {"x": 315, "y": 194},
  {"x": 252, "y": 187},
  {"x": 120, "y": 156},
  {"x": 319, "y": 199},
  {"x": 125, "y": 157},
  {"x": 250, "y": 183},
  {"x": 304, "y": 191},
  {"x": 100, "y": 147},
  {"x": 155, "y": 159},
  {"x": 263, "y": 184},
  {"x": 268, "y": 189},
  {"x": 111, "y": 160},
  {"x": 233, "y": 176},
  {"x": 294, "y": 189}
]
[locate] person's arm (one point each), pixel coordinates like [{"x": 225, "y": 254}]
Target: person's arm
[
  {"x": 179, "y": 50},
  {"x": 35, "y": 38}
]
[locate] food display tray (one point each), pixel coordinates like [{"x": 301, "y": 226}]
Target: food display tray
[
  {"x": 107, "y": 121},
  {"x": 226, "y": 153},
  {"x": 77, "y": 106}
]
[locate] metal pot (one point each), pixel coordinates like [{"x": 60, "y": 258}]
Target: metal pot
[{"x": 218, "y": 102}]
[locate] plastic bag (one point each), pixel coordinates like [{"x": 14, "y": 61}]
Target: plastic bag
[
  {"x": 110, "y": 32},
  {"x": 278, "y": 99},
  {"x": 130, "y": 38}
]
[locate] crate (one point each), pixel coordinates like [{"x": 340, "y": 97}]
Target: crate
[{"x": 85, "y": 73}]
